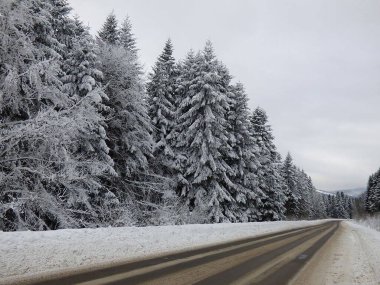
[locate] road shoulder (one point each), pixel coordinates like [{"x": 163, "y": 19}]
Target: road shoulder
[{"x": 349, "y": 257}]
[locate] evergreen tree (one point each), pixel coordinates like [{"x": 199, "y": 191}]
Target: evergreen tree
[
  {"x": 372, "y": 202},
  {"x": 318, "y": 206},
  {"x": 63, "y": 26},
  {"x": 129, "y": 127},
  {"x": 128, "y": 131},
  {"x": 289, "y": 173},
  {"x": 203, "y": 138},
  {"x": 268, "y": 172},
  {"x": 109, "y": 33},
  {"x": 243, "y": 156},
  {"x": 161, "y": 92},
  {"x": 304, "y": 188},
  {"x": 46, "y": 182},
  {"x": 127, "y": 38}
]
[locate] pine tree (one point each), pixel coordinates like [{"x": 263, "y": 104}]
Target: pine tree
[
  {"x": 318, "y": 206},
  {"x": 127, "y": 38},
  {"x": 290, "y": 177},
  {"x": 161, "y": 92},
  {"x": 128, "y": 131},
  {"x": 109, "y": 32},
  {"x": 268, "y": 172},
  {"x": 203, "y": 138},
  {"x": 129, "y": 127},
  {"x": 243, "y": 158},
  {"x": 372, "y": 203},
  {"x": 63, "y": 26},
  {"x": 45, "y": 181},
  {"x": 304, "y": 188}
]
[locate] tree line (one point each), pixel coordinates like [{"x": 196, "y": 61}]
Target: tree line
[
  {"x": 372, "y": 195},
  {"x": 86, "y": 141}
]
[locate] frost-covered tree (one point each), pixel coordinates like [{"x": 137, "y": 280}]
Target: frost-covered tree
[
  {"x": 372, "y": 201},
  {"x": 128, "y": 129},
  {"x": 203, "y": 137},
  {"x": 62, "y": 24},
  {"x": 289, "y": 173},
  {"x": 46, "y": 180},
  {"x": 243, "y": 157},
  {"x": 268, "y": 172},
  {"x": 126, "y": 37},
  {"x": 161, "y": 92},
  {"x": 304, "y": 190},
  {"x": 109, "y": 33},
  {"x": 318, "y": 206}
]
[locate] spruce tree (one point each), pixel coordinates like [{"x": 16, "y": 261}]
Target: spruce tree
[
  {"x": 46, "y": 180},
  {"x": 127, "y": 38},
  {"x": 290, "y": 177},
  {"x": 243, "y": 157},
  {"x": 268, "y": 172},
  {"x": 203, "y": 138},
  {"x": 128, "y": 131},
  {"x": 161, "y": 92},
  {"x": 109, "y": 33},
  {"x": 372, "y": 202}
]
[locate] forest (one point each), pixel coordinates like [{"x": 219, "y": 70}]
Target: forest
[{"x": 87, "y": 141}]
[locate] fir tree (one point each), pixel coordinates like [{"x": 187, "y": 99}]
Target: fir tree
[
  {"x": 203, "y": 137},
  {"x": 46, "y": 181},
  {"x": 161, "y": 92},
  {"x": 372, "y": 202},
  {"x": 109, "y": 33},
  {"x": 243, "y": 157},
  {"x": 290, "y": 177},
  {"x": 268, "y": 172},
  {"x": 127, "y": 38}
]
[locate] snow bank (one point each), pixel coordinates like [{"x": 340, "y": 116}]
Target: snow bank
[
  {"x": 351, "y": 256},
  {"x": 370, "y": 222},
  {"x": 27, "y": 253}
]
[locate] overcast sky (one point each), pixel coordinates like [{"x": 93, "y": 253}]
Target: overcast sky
[{"x": 313, "y": 65}]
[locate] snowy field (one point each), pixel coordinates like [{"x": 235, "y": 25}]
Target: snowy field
[{"x": 29, "y": 253}]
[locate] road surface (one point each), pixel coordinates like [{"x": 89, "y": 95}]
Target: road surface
[{"x": 269, "y": 259}]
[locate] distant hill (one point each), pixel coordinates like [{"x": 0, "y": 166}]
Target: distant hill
[
  {"x": 354, "y": 192},
  {"x": 326, "y": 192}
]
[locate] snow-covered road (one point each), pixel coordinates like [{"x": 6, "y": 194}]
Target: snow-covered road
[
  {"x": 351, "y": 256},
  {"x": 29, "y": 253}
]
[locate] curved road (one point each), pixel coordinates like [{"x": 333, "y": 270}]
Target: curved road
[{"x": 270, "y": 259}]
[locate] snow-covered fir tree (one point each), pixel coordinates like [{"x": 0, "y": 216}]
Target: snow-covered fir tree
[
  {"x": 268, "y": 172},
  {"x": 129, "y": 126},
  {"x": 110, "y": 33},
  {"x": 203, "y": 138},
  {"x": 127, "y": 38},
  {"x": 161, "y": 91},
  {"x": 243, "y": 157},
  {"x": 372, "y": 197},
  {"x": 46, "y": 183},
  {"x": 289, "y": 173}
]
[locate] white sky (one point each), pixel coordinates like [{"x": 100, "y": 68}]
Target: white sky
[{"x": 313, "y": 65}]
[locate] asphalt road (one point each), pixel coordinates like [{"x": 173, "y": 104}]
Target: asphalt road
[{"x": 272, "y": 259}]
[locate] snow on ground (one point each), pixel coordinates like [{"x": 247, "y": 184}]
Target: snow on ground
[
  {"x": 351, "y": 256},
  {"x": 29, "y": 253},
  {"x": 372, "y": 222}
]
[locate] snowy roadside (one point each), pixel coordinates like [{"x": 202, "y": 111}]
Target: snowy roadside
[
  {"x": 352, "y": 257},
  {"x": 29, "y": 253}
]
